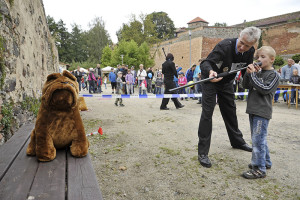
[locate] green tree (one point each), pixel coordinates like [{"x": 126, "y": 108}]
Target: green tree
[
  {"x": 132, "y": 31},
  {"x": 220, "y": 24},
  {"x": 144, "y": 55},
  {"x": 78, "y": 47},
  {"x": 164, "y": 26},
  {"x": 96, "y": 38},
  {"x": 106, "y": 56},
  {"x": 61, "y": 36}
]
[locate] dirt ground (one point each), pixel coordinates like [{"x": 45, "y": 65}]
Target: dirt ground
[{"x": 146, "y": 153}]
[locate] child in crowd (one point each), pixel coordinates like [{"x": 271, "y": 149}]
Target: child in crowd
[
  {"x": 143, "y": 86},
  {"x": 119, "y": 89},
  {"x": 105, "y": 81},
  {"x": 262, "y": 85},
  {"x": 99, "y": 83},
  {"x": 181, "y": 82},
  {"x": 295, "y": 79},
  {"x": 158, "y": 83}
]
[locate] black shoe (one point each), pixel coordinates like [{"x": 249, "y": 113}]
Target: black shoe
[
  {"x": 244, "y": 147},
  {"x": 204, "y": 161},
  {"x": 122, "y": 105},
  {"x": 116, "y": 104},
  {"x": 181, "y": 106},
  {"x": 267, "y": 166},
  {"x": 164, "y": 108}
]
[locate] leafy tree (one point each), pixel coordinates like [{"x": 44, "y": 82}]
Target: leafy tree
[
  {"x": 132, "y": 31},
  {"x": 164, "y": 26},
  {"x": 78, "y": 47},
  {"x": 220, "y": 24},
  {"x": 144, "y": 55},
  {"x": 62, "y": 38},
  {"x": 106, "y": 56},
  {"x": 97, "y": 38}
]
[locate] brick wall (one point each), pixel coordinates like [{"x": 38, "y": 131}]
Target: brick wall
[{"x": 285, "y": 39}]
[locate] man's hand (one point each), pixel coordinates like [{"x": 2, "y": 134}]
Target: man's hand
[{"x": 214, "y": 74}]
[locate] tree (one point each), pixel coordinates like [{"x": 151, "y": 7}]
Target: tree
[
  {"x": 62, "y": 38},
  {"x": 78, "y": 47},
  {"x": 96, "y": 38},
  {"x": 106, "y": 56},
  {"x": 164, "y": 26},
  {"x": 217, "y": 24},
  {"x": 278, "y": 61}
]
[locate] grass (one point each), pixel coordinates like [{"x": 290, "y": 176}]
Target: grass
[{"x": 169, "y": 151}]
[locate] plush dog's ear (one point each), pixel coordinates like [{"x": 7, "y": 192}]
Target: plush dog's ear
[
  {"x": 53, "y": 76},
  {"x": 69, "y": 75}
]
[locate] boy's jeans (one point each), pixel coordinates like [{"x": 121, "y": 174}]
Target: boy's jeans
[{"x": 259, "y": 132}]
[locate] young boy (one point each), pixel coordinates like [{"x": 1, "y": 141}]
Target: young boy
[
  {"x": 262, "y": 85},
  {"x": 119, "y": 89}
]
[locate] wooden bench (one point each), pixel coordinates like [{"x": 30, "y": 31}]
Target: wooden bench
[{"x": 23, "y": 177}]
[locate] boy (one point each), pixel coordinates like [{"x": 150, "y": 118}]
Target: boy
[
  {"x": 262, "y": 85},
  {"x": 119, "y": 89}
]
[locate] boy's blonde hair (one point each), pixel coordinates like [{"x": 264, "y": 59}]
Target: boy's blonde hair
[{"x": 268, "y": 49}]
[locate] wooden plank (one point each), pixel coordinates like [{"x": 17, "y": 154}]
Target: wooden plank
[
  {"x": 16, "y": 183},
  {"x": 10, "y": 150},
  {"x": 82, "y": 182},
  {"x": 50, "y": 179}
]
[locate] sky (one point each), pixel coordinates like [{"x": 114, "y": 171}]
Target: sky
[{"x": 116, "y": 12}]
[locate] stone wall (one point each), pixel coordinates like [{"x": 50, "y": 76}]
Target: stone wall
[
  {"x": 285, "y": 38},
  {"x": 28, "y": 51},
  {"x": 203, "y": 40}
]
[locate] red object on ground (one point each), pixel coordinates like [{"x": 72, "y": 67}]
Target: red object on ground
[{"x": 100, "y": 131}]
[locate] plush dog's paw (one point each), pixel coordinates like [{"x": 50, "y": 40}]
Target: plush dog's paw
[
  {"x": 46, "y": 156},
  {"x": 30, "y": 151},
  {"x": 79, "y": 149}
]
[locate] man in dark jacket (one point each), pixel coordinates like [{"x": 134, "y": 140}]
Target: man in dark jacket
[
  {"x": 229, "y": 54},
  {"x": 169, "y": 71},
  {"x": 78, "y": 76}
]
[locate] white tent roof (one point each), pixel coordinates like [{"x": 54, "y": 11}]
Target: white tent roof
[{"x": 107, "y": 69}]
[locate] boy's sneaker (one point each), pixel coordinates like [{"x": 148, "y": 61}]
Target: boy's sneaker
[
  {"x": 267, "y": 166},
  {"x": 122, "y": 105},
  {"x": 116, "y": 104},
  {"x": 254, "y": 174}
]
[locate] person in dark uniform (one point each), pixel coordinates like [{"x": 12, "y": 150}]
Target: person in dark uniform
[
  {"x": 169, "y": 71},
  {"x": 229, "y": 54}
]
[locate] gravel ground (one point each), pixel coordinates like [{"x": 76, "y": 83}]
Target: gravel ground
[{"x": 145, "y": 153}]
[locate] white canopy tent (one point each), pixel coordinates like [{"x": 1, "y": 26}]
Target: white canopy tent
[{"x": 107, "y": 69}]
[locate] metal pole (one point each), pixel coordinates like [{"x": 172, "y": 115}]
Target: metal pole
[{"x": 190, "y": 34}]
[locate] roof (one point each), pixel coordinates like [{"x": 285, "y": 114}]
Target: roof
[{"x": 197, "y": 19}]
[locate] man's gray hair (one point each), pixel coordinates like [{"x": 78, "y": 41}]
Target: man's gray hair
[{"x": 252, "y": 32}]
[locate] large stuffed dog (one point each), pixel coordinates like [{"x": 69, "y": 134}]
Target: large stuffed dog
[{"x": 58, "y": 124}]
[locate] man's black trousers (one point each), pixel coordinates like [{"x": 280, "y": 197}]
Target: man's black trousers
[
  {"x": 227, "y": 107},
  {"x": 169, "y": 85}
]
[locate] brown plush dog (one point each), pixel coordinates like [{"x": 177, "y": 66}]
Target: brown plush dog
[{"x": 58, "y": 123}]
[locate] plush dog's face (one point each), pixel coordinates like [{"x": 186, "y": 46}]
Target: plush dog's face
[{"x": 60, "y": 91}]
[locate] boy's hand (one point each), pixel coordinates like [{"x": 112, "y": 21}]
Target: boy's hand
[
  {"x": 214, "y": 74},
  {"x": 251, "y": 68}
]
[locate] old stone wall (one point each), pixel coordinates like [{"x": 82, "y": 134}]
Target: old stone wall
[
  {"x": 28, "y": 53},
  {"x": 285, "y": 38},
  {"x": 203, "y": 40}
]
